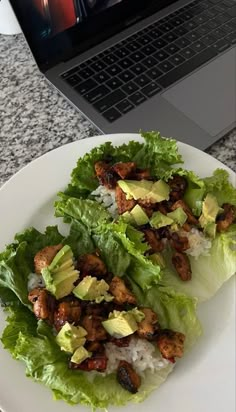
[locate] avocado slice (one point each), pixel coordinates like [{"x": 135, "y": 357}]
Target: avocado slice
[
  {"x": 120, "y": 324},
  {"x": 92, "y": 289},
  {"x": 60, "y": 275},
  {"x": 158, "y": 220},
  {"x": 178, "y": 216},
  {"x": 139, "y": 215},
  {"x": 135, "y": 189},
  {"x": 210, "y": 210},
  {"x": 71, "y": 337},
  {"x": 128, "y": 218},
  {"x": 80, "y": 355},
  {"x": 160, "y": 191}
]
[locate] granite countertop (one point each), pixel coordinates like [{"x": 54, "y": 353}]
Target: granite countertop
[{"x": 34, "y": 118}]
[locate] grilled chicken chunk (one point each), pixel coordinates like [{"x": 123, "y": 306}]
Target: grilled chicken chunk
[
  {"x": 141, "y": 174},
  {"x": 43, "y": 304},
  {"x": 93, "y": 325},
  {"x": 127, "y": 377},
  {"x": 124, "y": 169},
  {"x": 153, "y": 239},
  {"x": 148, "y": 327},
  {"x": 123, "y": 204},
  {"x": 225, "y": 219},
  {"x": 191, "y": 218},
  {"x": 182, "y": 265},
  {"x": 105, "y": 174},
  {"x": 180, "y": 243},
  {"x": 120, "y": 292},
  {"x": 178, "y": 185},
  {"x": 91, "y": 265},
  {"x": 98, "y": 362},
  {"x": 45, "y": 256},
  {"x": 95, "y": 347},
  {"x": 171, "y": 344},
  {"x": 67, "y": 311}
]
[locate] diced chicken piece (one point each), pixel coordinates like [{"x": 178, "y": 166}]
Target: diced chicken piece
[
  {"x": 95, "y": 347},
  {"x": 148, "y": 327},
  {"x": 178, "y": 185},
  {"x": 120, "y": 292},
  {"x": 67, "y": 311},
  {"x": 186, "y": 227},
  {"x": 147, "y": 206},
  {"x": 180, "y": 243},
  {"x": 45, "y": 256},
  {"x": 191, "y": 218},
  {"x": 98, "y": 362},
  {"x": 121, "y": 342},
  {"x": 124, "y": 169},
  {"x": 171, "y": 344},
  {"x": 141, "y": 174},
  {"x": 105, "y": 174},
  {"x": 153, "y": 239},
  {"x": 225, "y": 219},
  {"x": 127, "y": 377},
  {"x": 91, "y": 265},
  {"x": 93, "y": 325},
  {"x": 43, "y": 304},
  {"x": 182, "y": 265},
  {"x": 123, "y": 204}
]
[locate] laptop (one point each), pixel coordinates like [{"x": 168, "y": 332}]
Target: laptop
[{"x": 133, "y": 64}]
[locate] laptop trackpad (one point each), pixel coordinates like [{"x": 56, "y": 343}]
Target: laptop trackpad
[{"x": 208, "y": 97}]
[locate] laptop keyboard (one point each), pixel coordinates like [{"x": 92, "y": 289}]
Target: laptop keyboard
[{"x": 144, "y": 64}]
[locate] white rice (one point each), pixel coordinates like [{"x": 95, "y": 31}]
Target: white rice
[
  {"x": 199, "y": 244},
  {"x": 107, "y": 198},
  {"x": 35, "y": 281},
  {"x": 140, "y": 353}
]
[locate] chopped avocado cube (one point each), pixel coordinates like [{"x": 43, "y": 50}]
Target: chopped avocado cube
[
  {"x": 210, "y": 208},
  {"x": 92, "y": 289},
  {"x": 120, "y": 324},
  {"x": 158, "y": 259},
  {"x": 80, "y": 355},
  {"x": 128, "y": 218},
  {"x": 60, "y": 275},
  {"x": 138, "y": 314},
  {"x": 178, "y": 215},
  {"x": 160, "y": 191},
  {"x": 159, "y": 220},
  {"x": 139, "y": 215},
  {"x": 71, "y": 337},
  {"x": 135, "y": 189}
]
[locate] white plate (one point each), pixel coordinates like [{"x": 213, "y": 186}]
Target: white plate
[{"x": 203, "y": 381}]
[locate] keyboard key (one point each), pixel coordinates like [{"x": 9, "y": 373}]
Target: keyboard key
[
  {"x": 137, "y": 56},
  {"x": 98, "y": 66},
  {"x": 208, "y": 40},
  {"x": 113, "y": 70},
  {"x": 96, "y": 94},
  {"x": 198, "y": 46},
  {"x": 221, "y": 19},
  {"x": 161, "y": 55},
  {"x": 183, "y": 42},
  {"x": 170, "y": 37},
  {"x": 187, "y": 53},
  {"x": 193, "y": 36},
  {"x": 172, "y": 49},
  {"x": 231, "y": 38},
  {"x": 125, "y": 63},
  {"x": 159, "y": 43},
  {"x": 86, "y": 73},
  {"x": 138, "y": 68},
  {"x": 126, "y": 76},
  {"x": 151, "y": 89},
  {"x": 202, "y": 18},
  {"x": 133, "y": 46},
  {"x": 110, "y": 100},
  {"x": 187, "y": 67},
  {"x": 154, "y": 73},
  {"x": 165, "y": 66},
  {"x": 130, "y": 88},
  {"x": 122, "y": 52},
  {"x": 201, "y": 30},
  {"x": 180, "y": 31},
  {"x": 101, "y": 77},
  {"x": 145, "y": 39},
  {"x": 176, "y": 60},
  {"x": 148, "y": 50},
  {"x": 227, "y": 28},
  {"x": 212, "y": 24},
  {"x": 190, "y": 25},
  {"x": 137, "y": 98},
  {"x": 218, "y": 33},
  {"x": 125, "y": 106},
  {"x": 166, "y": 27},
  {"x": 110, "y": 59},
  {"x": 221, "y": 45},
  {"x": 111, "y": 115},
  {"x": 155, "y": 33},
  {"x": 73, "y": 80},
  {"x": 114, "y": 83},
  {"x": 86, "y": 86},
  {"x": 142, "y": 80},
  {"x": 149, "y": 62},
  {"x": 176, "y": 21}
]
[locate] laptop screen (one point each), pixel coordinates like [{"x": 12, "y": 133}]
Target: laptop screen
[{"x": 57, "y": 30}]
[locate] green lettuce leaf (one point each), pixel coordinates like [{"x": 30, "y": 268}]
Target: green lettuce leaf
[
  {"x": 218, "y": 184},
  {"x": 208, "y": 272}
]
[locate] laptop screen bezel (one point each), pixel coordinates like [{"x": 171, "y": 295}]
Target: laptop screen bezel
[{"x": 75, "y": 40}]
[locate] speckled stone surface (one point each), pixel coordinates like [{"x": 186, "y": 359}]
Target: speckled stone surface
[{"x": 34, "y": 118}]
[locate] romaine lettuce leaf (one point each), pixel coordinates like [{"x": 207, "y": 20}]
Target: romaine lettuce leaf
[
  {"x": 218, "y": 185},
  {"x": 208, "y": 272}
]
